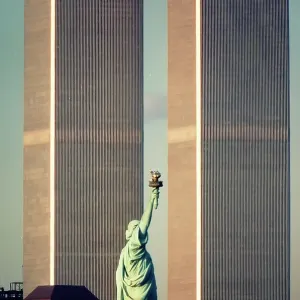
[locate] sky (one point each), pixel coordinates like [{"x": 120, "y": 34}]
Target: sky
[
  {"x": 155, "y": 130},
  {"x": 11, "y": 139},
  {"x": 11, "y": 133},
  {"x": 155, "y": 65}
]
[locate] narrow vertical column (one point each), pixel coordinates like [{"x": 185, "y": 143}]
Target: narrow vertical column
[
  {"x": 182, "y": 147},
  {"x": 52, "y": 139},
  {"x": 36, "y": 184},
  {"x": 198, "y": 149}
]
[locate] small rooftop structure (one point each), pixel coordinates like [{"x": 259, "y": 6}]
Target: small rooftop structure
[
  {"x": 15, "y": 291},
  {"x": 16, "y": 286},
  {"x": 61, "y": 292}
]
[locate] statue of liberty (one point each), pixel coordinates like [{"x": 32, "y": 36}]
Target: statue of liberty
[{"x": 135, "y": 277}]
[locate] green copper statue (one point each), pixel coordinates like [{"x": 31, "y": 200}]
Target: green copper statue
[{"x": 135, "y": 274}]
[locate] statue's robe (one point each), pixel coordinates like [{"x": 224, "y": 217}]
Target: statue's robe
[{"x": 135, "y": 274}]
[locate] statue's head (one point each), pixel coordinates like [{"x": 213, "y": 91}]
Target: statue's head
[{"x": 131, "y": 226}]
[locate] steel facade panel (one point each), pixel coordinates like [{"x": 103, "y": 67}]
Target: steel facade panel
[
  {"x": 98, "y": 138},
  {"x": 245, "y": 150}
]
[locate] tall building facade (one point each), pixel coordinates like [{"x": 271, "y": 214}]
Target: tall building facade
[
  {"x": 83, "y": 139},
  {"x": 229, "y": 144}
]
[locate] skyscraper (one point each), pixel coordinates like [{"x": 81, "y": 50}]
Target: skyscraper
[
  {"x": 83, "y": 143},
  {"x": 229, "y": 163}
]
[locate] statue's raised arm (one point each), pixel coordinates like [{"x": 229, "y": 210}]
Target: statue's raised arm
[
  {"x": 155, "y": 184},
  {"x": 147, "y": 215},
  {"x": 135, "y": 274}
]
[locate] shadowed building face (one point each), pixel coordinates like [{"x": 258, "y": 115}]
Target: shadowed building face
[
  {"x": 229, "y": 129},
  {"x": 83, "y": 144}
]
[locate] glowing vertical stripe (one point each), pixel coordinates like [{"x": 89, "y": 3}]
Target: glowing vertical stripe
[
  {"x": 198, "y": 149},
  {"x": 52, "y": 141}
]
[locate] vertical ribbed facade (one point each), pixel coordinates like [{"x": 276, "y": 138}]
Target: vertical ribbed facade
[
  {"x": 245, "y": 150},
  {"x": 98, "y": 137}
]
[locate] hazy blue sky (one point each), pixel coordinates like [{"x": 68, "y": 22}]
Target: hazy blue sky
[
  {"x": 155, "y": 130},
  {"x": 11, "y": 139}
]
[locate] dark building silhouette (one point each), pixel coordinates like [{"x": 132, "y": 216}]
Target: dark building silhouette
[
  {"x": 15, "y": 291},
  {"x": 61, "y": 292},
  {"x": 83, "y": 144},
  {"x": 239, "y": 76}
]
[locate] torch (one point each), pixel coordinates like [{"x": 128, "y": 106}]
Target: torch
[{"x": 155, "y": 183}]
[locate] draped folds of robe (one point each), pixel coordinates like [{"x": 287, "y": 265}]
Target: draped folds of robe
[{"x": 135, "y": 274}]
